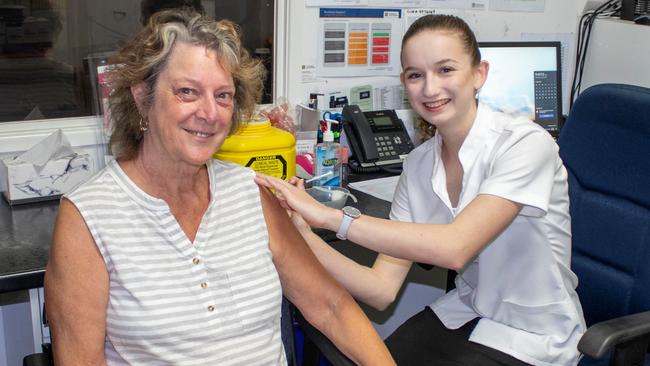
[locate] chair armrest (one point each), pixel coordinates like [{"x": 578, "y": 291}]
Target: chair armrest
[
  {"x": 602, "y": 337},
  {"x": 37, "y": 359}
]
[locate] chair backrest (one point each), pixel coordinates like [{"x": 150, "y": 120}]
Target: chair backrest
[{"x": 605, "y": 146}]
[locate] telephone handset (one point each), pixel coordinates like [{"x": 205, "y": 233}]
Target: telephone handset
[{"x": 377, "y": 138}]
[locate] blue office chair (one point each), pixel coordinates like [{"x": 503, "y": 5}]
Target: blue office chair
[{"x": 605, "y": 146}]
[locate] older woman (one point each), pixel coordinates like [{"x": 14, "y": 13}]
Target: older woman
[{"x": 168, "y": 256}]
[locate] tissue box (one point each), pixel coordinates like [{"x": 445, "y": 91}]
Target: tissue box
[{"x": 26, "y": 183}]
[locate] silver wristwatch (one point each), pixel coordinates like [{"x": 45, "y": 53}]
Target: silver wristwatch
[{"x": 349, "y": 214}]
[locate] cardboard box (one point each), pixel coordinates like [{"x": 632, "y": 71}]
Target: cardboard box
[{"x": 26, "y": 183}]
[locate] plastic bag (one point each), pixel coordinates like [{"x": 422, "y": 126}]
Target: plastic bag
[{"x": 280, "y": 116}]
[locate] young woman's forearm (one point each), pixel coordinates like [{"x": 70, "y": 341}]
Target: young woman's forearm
[
  {"x": 364, "y": 283},
  {"x": 449, "y": 245},
  {"x": 445, "y": 245},
  {"x": 414, "y": 242}
]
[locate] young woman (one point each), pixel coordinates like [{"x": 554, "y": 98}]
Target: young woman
[{"x": 485, "y": 196}]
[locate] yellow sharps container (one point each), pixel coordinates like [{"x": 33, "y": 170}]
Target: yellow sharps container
[{"x": 262, "y": 147}]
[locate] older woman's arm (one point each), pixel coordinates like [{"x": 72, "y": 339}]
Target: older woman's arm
[
  {"x": 76, "y": 292},
  {"x": 322, "y": 300}
]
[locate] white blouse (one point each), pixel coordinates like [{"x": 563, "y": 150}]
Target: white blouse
[{"x": 521, "y": 284}]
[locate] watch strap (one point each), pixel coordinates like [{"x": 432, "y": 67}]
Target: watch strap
[{"x": 344, "y": 227}]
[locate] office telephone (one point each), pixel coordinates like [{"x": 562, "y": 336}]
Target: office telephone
[{"x": 377, "y": 138}]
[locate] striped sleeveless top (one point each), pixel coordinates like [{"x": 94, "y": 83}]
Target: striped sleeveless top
[{"x": 173, "y": 302}]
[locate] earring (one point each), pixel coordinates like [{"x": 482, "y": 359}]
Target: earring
[{"x": 144, "y": 125}]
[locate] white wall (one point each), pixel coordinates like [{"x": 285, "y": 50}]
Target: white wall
[
  {"x": 300, "y": 42},
  {"x": 618, "y": 53},
  {"x": 16, "y": 338},
  {"x": 3, "y": 348}
]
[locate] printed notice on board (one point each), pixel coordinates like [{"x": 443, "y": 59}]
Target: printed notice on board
[
  {"x": 531, "y": 6},
  {"x": 437, "y": 4},
  {"x": 458, "y": 4},
  {"x": 335, "y": 3},
  {"x": 411, "y": 15},
  {"x": 398, "y": 3},
  {"x": 359, "y": 42},
  {"x": 371, "y": 3},
  {"x": 379, "y": 95}
]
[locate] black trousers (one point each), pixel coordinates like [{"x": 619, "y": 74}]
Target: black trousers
[{"x": 424, "y": 340}]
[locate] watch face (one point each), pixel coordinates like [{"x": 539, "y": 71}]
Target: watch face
[{"x": 351, "y": 211}]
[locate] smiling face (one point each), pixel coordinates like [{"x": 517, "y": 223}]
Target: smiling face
[
  {"x": 440, "y": 80},
  {"x": 192, "y": 107}
]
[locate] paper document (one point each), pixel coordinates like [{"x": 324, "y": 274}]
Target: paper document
[{"x": 382, "y": 188}]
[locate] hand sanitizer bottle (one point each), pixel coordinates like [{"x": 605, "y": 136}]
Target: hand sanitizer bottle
[{"x": 326, "y": 159}]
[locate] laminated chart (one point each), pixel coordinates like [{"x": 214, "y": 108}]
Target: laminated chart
[
  {"x": 359, "y": 42},
  {"x": 334, "y": 35},
  {"x": 381, "y": 43}
]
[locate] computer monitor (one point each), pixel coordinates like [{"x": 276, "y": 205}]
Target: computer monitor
[{"x": 524, "y": 79}]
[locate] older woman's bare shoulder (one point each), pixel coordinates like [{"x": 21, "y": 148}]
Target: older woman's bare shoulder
[{"x": 70, "y": 226}]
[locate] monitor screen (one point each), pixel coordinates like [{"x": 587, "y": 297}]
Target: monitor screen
[{"x": 524, "y": 79}]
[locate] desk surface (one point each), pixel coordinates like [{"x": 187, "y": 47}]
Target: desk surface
[
  {"x": 26, "y": 231},
  {"x": 25, "y": 234}
]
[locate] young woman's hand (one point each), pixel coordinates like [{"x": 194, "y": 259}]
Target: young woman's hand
[
  {"x": 297, "y": 219},
  {"x": 292, "y": 196}
]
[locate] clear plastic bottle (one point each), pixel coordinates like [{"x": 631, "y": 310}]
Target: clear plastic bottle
[
  {"x": 326, "y": 159},
  {"x": 345, "y": 169}
]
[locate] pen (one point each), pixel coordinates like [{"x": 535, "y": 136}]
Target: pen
[{"x": 319, "y": 176}]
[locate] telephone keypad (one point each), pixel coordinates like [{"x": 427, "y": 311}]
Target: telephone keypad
[{"x": 391, "y": 146}]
